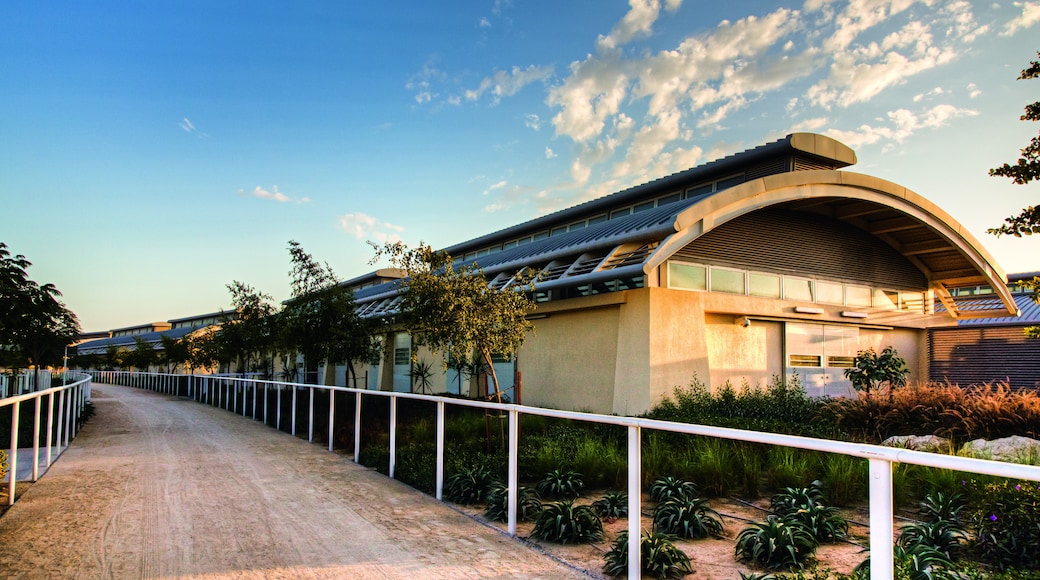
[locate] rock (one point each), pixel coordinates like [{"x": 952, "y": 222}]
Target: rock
[
  {"x": 929, "y": 443},
  {"x": 1014, "y": 449}
]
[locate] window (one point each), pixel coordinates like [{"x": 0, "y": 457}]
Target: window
[
  {"x": 669, "y": 199},
  {"x": 829, "y": 293},
  {"x": 843, "y": 362},
  {"x": 805, "y": 360},
  {"x": 576, "y": 226},
  {"x": 764, "y": 285},
  {"x": 699, "y": 190},
  {"x": 886, "y": 299},
  {"x": 402, "y": 356},
  {"x": 687, "y": 276},
  {"x": 728, "y": 182},
  {"x": 857, "y": 296},
  {"x": 559, "y": 230},
  {"x": 620, "y": 213},
  {"x": 725, "y": 280},
  {"x": 798, "y": 289},
  {"x": 541, "y": 236},
  {"x": 597, "y": 219},
  {"x": 508, "y": 245},
  {"x": 643, "y": 206}
]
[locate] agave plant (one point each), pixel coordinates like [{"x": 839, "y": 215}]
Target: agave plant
[
  {"x": 776, "y": 544},
  {"x": 942, "y": 506},
  {"x": 527, "y": 504},
  {"x": 825, "y": 523},
  {"x": 670, "y": 487},
  {"x": 469, "y": 486},
  {"x": 659, "y": 556},
  {"x": 565, "y": 523},
  {"x": 612, "y": 505},
  {"x": 916, "y": 562},
  {"x": 943, "y": 535},
  {"x": 561, "y": 485},
  {"x": 792, "y": 499},
  {"x": 688, "y": 517}
]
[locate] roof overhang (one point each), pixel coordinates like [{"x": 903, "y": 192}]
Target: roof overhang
[{"x": 928, "y": 237}]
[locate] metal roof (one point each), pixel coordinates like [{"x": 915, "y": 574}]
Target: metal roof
[
  {"x": 1030, "y": 311},
  {"x": 120, "y": 341}
]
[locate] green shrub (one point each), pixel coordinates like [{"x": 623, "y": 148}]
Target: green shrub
[
  {"x": 4, "y": 466},
  {"x": 915, "y": 562},
  {"x": 871, "y": 370},
  {"x": 776, "y": 544},
  {"x": 670, "y": 487},
  {"x": 560, "y": 485},
  {"x": 1006, "y": 518},
  {"x": 565, "y": 523},
  {"x": 939, "y": 506},
  {"x": 788, "y": 467},
  {"x": 416, "y": 466},
  {"x": 713, "y": 464},
  {"x": 943, "y": 535},
  {"x": 808, "y": 508},
  {"x": 612, "y": 505},
  {"x": 528, "y": 505},
  {"x": 660, "y": 558},
  {"x": 845, "y": 478},
  {"x": 688, "y": 517},
  {"x": 469, "y": 486}
]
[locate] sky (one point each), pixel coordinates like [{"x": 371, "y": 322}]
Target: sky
[{"x": 153, "y": 152}]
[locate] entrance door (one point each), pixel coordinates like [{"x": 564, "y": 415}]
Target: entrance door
[
  {"x": 819, "y": 354},
  {"x": 402, "y": 363}
]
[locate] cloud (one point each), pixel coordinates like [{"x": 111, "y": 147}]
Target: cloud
[
  {"x": 532, "y": 121},
  {"x": 1030, "y": 16},
  {"x": 363, "y": 226},
  {"x": 899, "y": 125},
  {"x": 508, "y": 83},
  {"x": 484, "y": 22},
  {"x": 973, "y": 90},
  {"x": 549, "y": 153},
  {"x": 273, "y": 195},
  {"x": 190, "y": 128},
  {"x": 636, "y": 23},
  {"x": 423, "y": 83}
]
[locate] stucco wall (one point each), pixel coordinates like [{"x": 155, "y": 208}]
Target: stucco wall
[
  {"x": 739, "y": 354},
  {"x": 911, "y": 344},
  {"x": 569, "y": 360}
]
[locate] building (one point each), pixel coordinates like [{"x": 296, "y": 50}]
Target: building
[
  {"x": 989, "y": 350},
  {"x": 770, "y": 262},
  {"x": 152, "y": 333}
]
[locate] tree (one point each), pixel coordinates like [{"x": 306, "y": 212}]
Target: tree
[
  {"x": 455, "y": 311},
  {"x": 143, "y": 356},
  {"x": 174, "y": 352},
  {"x": 320, "y": 319},
  {"x": 250, "y": 333},
  {"x": 871, "y": 370},
  {"x": 1025, "y": 170},
  {"x": 35, "y": 325}
]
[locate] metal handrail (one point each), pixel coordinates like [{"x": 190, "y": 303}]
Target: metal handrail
[
  {"x": 217, "y": 391},
  {"x": 70, "y": 408}
]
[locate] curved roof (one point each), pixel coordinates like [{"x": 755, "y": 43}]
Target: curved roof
[
  {"x": 927, "y": 236},
  {"x": 123, "y": 341}
]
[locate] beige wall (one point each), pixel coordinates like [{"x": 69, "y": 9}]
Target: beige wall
[
  {"x": 910, "y": 343},
  {"x": 738, "y": 354}
]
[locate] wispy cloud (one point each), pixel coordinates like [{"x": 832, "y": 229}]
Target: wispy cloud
[
  {"x": 508, "y": 83},
  {"x": 532, "y": 121},
  {"x": 363, "y": 227},
  {"x": 273, "y": 194},
  {"x": 899, "y": 125},
  {"x": 423, "y": 83},
  {"x": 190, "y": 128},
  {"x": 1030, "y": 16}
]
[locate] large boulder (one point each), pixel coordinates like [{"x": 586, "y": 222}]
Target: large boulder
[
  {"x": 929, "y": 443},
  {"x": 1014, "y": 449}
]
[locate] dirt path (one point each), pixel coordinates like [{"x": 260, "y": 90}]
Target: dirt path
[{"x": 157, "y": 486}]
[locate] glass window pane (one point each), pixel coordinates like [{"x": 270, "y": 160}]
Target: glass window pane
[
  {"x": 597, "y": 219},
  {"x": 644, "y": 206},
  {"x": 620, "y": 213},
  {"x": 727, "y": 281},
  {"x": 885, "y": 299},
  {"x": 766, "y": 285},
  {"x": 829, "y": 293},
  {"x": 558, "y": 231},
  {"x": 576, "y": 226},
  {"x": 669, "y": 199},
  {"x": 729, "y": 182},
  {"x": 541, "y": 236},
  {"x": 857, "y": 296},
  {"x": 687, "y": 276},
  {"x": 798, "y": 289},
  {"x": 699, "y": 191}
]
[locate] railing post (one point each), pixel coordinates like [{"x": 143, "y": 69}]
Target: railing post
[
  {"x": 278, "y": 409},
  {"x": 245, "y": 391},
  {"x": 265, "y": 403},
  {"x": 36, "y": 439},
  {"x": 254, "y": 403},
  {"x": 294, "y": 391},
  {"x": 310, "y": 418},
  {"x": 332, "y": 414},
  {"x": 439, "y": 485},
  {"x": 50, "y": 426},
  {"x": 61, "y": 416},
  {"x": 882, "y": 528},
  {"x": 635, "y": 477},
  {"x": 513, "y": 473},
  {"x": 12, "y": 459},
  {"x": 393, "y": 435},
  {"x": 68, "y": 419}
]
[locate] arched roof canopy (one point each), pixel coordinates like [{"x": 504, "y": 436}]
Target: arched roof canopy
[{"x": 941, "y": 248}]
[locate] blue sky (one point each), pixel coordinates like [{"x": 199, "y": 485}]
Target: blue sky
[{"x": 151, "y": 153}]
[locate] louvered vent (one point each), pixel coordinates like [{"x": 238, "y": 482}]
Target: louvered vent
[
  {"x": 807, "y": 163},
  {"x": 973, "y": 356},
  {"x": 770, "y": 167}
]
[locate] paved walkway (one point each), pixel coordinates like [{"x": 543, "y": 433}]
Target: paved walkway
[{"x": 157, "y": 486}]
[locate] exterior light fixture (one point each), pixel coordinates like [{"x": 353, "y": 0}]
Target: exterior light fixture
[{"x": 808, "y": 310}]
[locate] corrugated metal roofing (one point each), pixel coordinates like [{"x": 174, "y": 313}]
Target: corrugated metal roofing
[
  {"x": 1030, "y": 311},
  {"x": 120, "y": 341}
]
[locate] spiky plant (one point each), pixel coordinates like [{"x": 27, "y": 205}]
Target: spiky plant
[
  {"x": 943, "y": 535},
  {"x": 612, "y": 505},
  {"x": 561, "y": 485},
  {"x": 943, "y": 506},
  {"x": 563, "y": 522},
  {"x": 528, "y": 505},
  {"x": 792, "y": 499},
  {"x": 916, "y": 562},
  {"x": 776, "y": 544},
  {"x": 659, "y": 556},
  {"x": 688, "y": 517},
  {"x": 669, "y": 487},
  {"x": 469, "y": 486}
]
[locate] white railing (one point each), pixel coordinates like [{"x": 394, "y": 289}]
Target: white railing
[
  {"x": 223, "y": 392},
  {"x": 71, "y": 400},
  {"x": 24, "y": 382}
]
